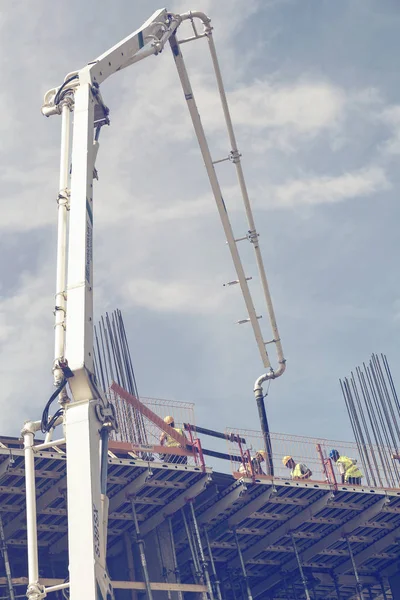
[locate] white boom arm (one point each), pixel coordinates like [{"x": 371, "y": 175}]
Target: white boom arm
[{"x": 89, "y": 417}]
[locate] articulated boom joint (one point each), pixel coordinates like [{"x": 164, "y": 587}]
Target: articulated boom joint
[{"x": 105, "y": 412}]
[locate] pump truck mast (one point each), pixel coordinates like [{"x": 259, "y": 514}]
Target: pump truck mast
[{"x": 87, "y": 417}]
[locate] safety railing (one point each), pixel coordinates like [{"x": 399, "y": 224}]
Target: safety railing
[
  {"x": 164, "y": 437},
  {"x": 316, "y": 459}
]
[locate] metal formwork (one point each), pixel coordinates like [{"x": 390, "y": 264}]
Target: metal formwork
[
  {"x": 262, "y": 516},
  {"x": 152, "y": 486},
  {"x": 265, "y": 516}
]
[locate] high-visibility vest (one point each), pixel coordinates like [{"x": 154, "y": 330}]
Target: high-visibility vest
[
  {"x": 350, "y": 469},
  {"x": 171, "y": 442},
  {"x": 299, "y": 471}
]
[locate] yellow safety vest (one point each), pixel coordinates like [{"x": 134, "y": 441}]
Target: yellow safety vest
[
  {"x": 299, "y": 471},
  {"x": 171, "y": 442},
  {"x": 350, "y": 469}
]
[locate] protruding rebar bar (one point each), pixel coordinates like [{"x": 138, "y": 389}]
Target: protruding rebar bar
[{"x": 374, "y": 411}]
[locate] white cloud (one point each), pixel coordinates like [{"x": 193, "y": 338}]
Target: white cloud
[
  {"x": 391, "y": 117},
  {"x": 173, "y": 296},
  {"x": 307, "y": 107},
  {"x": 25, "y": 349},
  {"x": 329, "y": 189}
]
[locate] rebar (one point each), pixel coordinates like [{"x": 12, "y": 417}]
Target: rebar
[
  {"x": 374, "y": 411},
  {"x": 113, "y": 362}
]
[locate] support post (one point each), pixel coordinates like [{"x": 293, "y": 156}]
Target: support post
[
  {"x": 233, "y": 583},
  {"x": 335, "y": 582},
  {"x": 140, "y": 543},
  {"x": 212, "y": 563},
  {"x": 356, "y": 575},
  {"x": 4, "y": 551},
  {"x": 130, "y": 561},
  {"x": 176, "y": 568},
  {"x": 243, "y": 567},
  {"x": 303, "y": 578},
  {"x": 35, "y": 591},
  {"x": 195, "y": 561},
  {"x": 204, "y": 566},
  {"x": 383, "y": 589}
]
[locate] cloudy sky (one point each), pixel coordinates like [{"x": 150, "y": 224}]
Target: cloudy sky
[{"x": 314, "y": 93}]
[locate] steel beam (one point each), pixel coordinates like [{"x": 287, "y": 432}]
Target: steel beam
[
  {"x": 346, "y": 580},
  {"x": 131, "y": 489},
  {"x": 12, "y": 490},
  {"x": 245, "y": 511},
  {"x": 115, "y": 502},
  {"x": 375, "y": 548},
  {"x": 193, "y": 491},
  {"x": 42, "y": 502},
  {"x": 235, "y": 496},
  {"x": 308, "y": 554},
  {"x": 39, "y": 473},
  {"x": 291, "y": 524},
  {"x": 5, "y": 468}
]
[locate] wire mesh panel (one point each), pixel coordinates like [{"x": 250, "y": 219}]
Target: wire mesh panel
[
  {"x": 159, "y": 443},
  {"x": 313, "y": 454}
]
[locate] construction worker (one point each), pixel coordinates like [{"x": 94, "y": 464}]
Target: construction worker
[
  {"x": 259, "y": 457},
  {"x": 347, "y": 468},
  {"x": 170, "y": 442},
  {"x": 298, "y": 470}
]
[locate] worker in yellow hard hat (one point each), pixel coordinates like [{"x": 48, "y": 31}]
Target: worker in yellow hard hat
[
  {"x": 170, "y": 442},
  {"x": 298, "y": 470},
  {"x": 259, "y": 457}
]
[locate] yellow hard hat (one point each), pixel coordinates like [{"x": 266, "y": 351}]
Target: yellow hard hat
[
  {"x": 168, "y": 420},
  {"x": 262, "y": 453},
  {"x": 286, "y": 459}
]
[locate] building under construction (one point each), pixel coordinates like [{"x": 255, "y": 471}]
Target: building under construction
[
  {"x": 107, "y": 510},
  {"x": 184, "y": 530}
]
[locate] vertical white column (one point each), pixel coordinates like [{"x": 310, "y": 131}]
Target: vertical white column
[
  {"x": 61, "y": 276},
  {"x": 79, "y": 339},
  {"x": 85, "y": 532},
  {"x": 34, "y": 589}
]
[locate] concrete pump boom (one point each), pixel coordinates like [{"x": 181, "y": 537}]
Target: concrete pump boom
[{"x": 88, "y": 419}]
